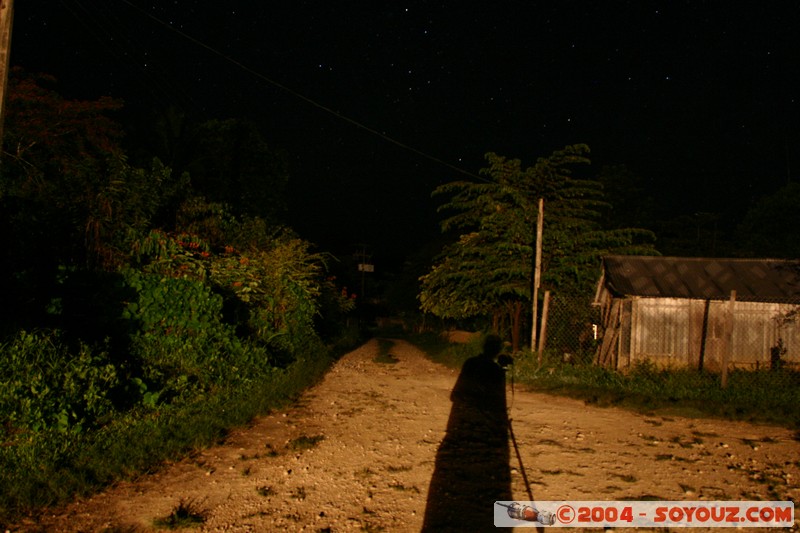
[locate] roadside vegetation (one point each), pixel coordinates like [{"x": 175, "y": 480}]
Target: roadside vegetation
[
  {"x": 763, "y": 397},
  {"x": 144, "y": 312}
]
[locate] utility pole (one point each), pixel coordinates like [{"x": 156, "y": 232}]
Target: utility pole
[
  {"x": 537, "y": 273},
  {"x": 727, "y": 340},
  {"x": 364, "y": 265},
  {"x": 6, "y": 19}
]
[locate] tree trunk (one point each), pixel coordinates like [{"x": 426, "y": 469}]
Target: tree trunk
[{"x": 516, "y": 313}]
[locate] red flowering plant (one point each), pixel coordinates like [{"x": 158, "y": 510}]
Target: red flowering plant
[
  {"x": 279, "y": 286},
  {"x": 180, "y": 256}
]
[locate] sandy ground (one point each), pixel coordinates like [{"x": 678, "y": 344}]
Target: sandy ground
[{"x": 358, "y": 452}]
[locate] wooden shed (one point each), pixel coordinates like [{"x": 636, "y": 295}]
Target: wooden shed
[{"x": 683, "y": 312}]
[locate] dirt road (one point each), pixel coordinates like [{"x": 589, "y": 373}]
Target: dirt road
[{"x": 359, "y": 451}]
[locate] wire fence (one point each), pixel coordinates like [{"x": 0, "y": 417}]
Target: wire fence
[
  {"x": 572, "y": 330},
  {"x": 709, "y": 336}
]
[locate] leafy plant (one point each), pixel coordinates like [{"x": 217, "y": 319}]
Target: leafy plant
[
  {"x": 277, "y": 290},
  {"x": 181, "y": 343},
  {"x": 45, "y": 385}
]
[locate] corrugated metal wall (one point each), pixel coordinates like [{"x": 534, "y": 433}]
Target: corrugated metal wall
[
  {"x": 660, "y": 331},
  {"x": 671, "y": 332}
]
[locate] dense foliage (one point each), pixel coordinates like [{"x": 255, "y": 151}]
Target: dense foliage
[
  {"x": 129, "y": 294},
  {"x": 768, "y": 226},
  {"x": 488, "y": 270}
]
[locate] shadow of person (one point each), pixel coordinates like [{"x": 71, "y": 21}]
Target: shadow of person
[{"x": 472, "y": 463}]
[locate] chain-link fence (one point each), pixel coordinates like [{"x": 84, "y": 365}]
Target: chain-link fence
[{"x": 571, "y": 331}]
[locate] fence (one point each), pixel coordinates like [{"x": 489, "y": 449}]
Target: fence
[{"x": 572, "y": 329}]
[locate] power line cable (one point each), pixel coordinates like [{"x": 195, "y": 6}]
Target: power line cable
[{"x": 302, "y": 97}]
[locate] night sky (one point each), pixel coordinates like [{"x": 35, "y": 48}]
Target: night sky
[{"x": 377, "y": 103}]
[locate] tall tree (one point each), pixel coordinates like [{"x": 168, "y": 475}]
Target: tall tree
[
  {"x": 633, "y": 206},
  {"x": 488, "y": 270},
  {"x": 769, "y": 228},
  {"x": 68, "y": 198},
  {"x": 58, "y": 156},
  {"x": 52, "y": 141},
  {"x": 230, "y": 162},
  {"x": 235, "y": 165}
]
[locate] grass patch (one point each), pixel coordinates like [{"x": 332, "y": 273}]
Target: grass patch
[
  {"x": 762, "y": 396},
  {"x": 304, "y": 442},
  {"x": 756, "y": 396},
  {"x": 187, "y": 513}
]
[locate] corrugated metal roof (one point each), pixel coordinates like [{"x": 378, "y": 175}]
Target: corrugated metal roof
[{"x": 755, "y": 280}]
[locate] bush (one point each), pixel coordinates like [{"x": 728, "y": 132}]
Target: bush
[
  {"x": 197, "y": 341},
  {"x": 181, "y": 345},
  {"x": 46, "y": 386},
  {"x": 275, "y": 292}
]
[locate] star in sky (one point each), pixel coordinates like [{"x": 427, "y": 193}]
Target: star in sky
[{"x": 657, "y": 88}]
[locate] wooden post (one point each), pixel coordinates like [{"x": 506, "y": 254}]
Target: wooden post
[
  {"x": 728, "y": 342},
  {"x": 543, "y": 331},
  {"x": 704, "y": 336},
  {"x": 6, "y": 19},
  {"x": 537, "y": 272}
]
